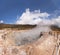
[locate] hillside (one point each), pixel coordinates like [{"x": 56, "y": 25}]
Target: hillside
[
  {"x": 55, "y": 28},
  {"x": 16, "y": 26}
]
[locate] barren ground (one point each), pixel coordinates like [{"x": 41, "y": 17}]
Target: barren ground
[{"x": 42, "y": 46}]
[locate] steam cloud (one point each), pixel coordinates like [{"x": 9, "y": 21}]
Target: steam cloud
[{"x": 34, "y": 17}]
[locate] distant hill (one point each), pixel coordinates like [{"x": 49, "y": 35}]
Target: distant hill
[
  {"x": 26, "y": 26},
  {"x": 16, "y": 26},
  {"x": 55, "y": 28}
]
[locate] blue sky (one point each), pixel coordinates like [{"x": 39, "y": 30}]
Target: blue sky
[{"x": 10, "y": 9}]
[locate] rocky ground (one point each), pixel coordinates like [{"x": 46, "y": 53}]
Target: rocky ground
[{"x": 44, "y": 45}]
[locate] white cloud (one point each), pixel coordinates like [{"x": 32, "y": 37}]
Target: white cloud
[
  {"x": 56, "y": 21},
  {"x": 32, "y": 17},
  {"x": 1, "y": 21},
  {"x": 36, "y": 17}
]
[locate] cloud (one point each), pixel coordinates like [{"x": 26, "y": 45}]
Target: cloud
[
  {"x": 56, "y": 21},
  {"x": 1, "y": 21},
  {"x": 32, "y": 17},
  {"x": 36, "y": 17}
]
